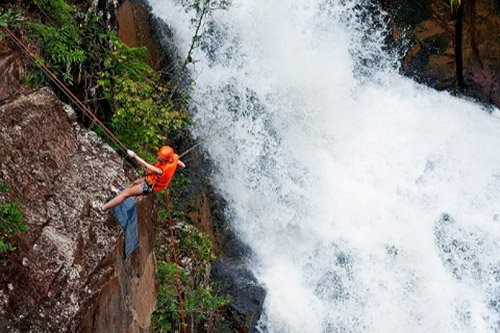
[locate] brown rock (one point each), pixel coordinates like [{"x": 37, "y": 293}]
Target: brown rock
[
  {"x": 411, "y": 53},
  {"x": 199, "y": 211},
  {"x": 428, "y": 29},
  {"x": 134, "y": 29},
  {"x": 68, "y": 272},
  {"x": 441, "y": 66},
  {"x": 431, "y": 26},
  {"x": 481, "y": 49},
  {"x": 11, "y": 70},
  {"x": 126, "y": 24}
]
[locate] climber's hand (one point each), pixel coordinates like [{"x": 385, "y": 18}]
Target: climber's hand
[{"x": 131, "y": 153}]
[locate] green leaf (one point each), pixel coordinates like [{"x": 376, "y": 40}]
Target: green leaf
[
  {"x": 455, "y": 4},
  {"x": 11, "y": 221}
]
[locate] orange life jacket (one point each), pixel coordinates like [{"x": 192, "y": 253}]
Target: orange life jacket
[{"x": 160, "y": 182}]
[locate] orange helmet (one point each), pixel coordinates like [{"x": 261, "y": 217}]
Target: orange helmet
[{"x": 166, "y": 152}]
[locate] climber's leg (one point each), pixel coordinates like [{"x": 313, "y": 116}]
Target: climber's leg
[
  {"x": 132, "y": 190},
  {"x": 138, "y": 181}
]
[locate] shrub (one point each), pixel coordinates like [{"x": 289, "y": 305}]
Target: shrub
[
  {"x": 167, "y": 307},
  {"x": 81, "y": 51},
  {"x": 7, "y": 18},
  {"x": 201, "y": 303},
  {"x": 144, "y": 115},
  {"x": 62, "y": 48},
  {"x": 60, "y": 10},
  {"x": 11, "y": 221},
  {"x": 4, "y": 188}
]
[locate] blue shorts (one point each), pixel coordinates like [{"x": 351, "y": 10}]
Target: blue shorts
[{"x": 146, "y": 187}]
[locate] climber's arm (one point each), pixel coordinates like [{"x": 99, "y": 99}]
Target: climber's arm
[
  {"x": 180, "y": 164},
  {"x": 144, "y": 163}
]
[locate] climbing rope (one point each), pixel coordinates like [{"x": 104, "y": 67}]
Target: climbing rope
[
  {"x": 174, "y": 256},
  {"x": 64, "y": 89},
  {"x": 208, "y": 138},
  {"x": 82, "y": 106}
]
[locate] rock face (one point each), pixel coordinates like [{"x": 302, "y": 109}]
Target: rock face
[
  {"x": 68, "y": 272},
  {"x": 134, "y": 29},
  {"x": 235, "y": 279},
  {"x": 431, "y": 57},
  {"x": 12, "y": 70},
  {"x": 229, "y": 271}
]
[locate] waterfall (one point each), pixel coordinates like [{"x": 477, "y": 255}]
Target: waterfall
[{"x": 371, "y": 203}]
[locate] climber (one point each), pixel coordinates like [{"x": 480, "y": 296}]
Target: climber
[{"x": 157, "y": 178}]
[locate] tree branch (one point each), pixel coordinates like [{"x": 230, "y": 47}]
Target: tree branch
[{"x": 188, "y": 59}]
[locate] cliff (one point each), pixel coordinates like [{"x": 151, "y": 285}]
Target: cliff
[
  {"x": 68, "y": 272},
  {"x": 229, "y": 272},
  {"x": 204, "y": 208}
]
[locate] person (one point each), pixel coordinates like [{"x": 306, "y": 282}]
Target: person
[{"x": 157, "y": 178}]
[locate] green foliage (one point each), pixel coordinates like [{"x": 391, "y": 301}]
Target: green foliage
[
  {"x": 126, "y": 60},
  {"x": 4, "y": 188},
  {"x": 455, "y": 4},
  {"x": 143, "y": 112},
  {"x": 177, "y": 213},
  {"x": 180, "y": 181},
  {"x": 79, "y": 49},
  {"x": 7, "y": 18},
  {"x": 201, "y": 303},
  {"x": 35, "y": 78},
  {"x": 62, "y": 48},
  {"x": 60, "y": 10},
  {"x": 196, "y": 244},
  {"x": 176, "y": 188},
  {"x": 11, "y": 221},
  {"x": 63, "y": 43},
  {"x": 167, "y": 307}
]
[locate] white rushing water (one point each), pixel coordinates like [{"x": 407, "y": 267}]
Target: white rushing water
[{"x": 371, "y": 202}]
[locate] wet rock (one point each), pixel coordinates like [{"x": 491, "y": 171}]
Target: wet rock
[
  {"x": 134, "y": 29},
  {"x": 426, "y": 32},
  {"x": 229, "y": 271},
  {"x": 481, "y": 50},
  {"x": 233, "y": 278},
  {"x": 247, "y": 295},
  {"x": 68, "y": 272},
  {"x": 138, "y": 26}
]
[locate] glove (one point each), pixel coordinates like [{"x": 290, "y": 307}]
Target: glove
[{"x": 131, "y": 153}]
